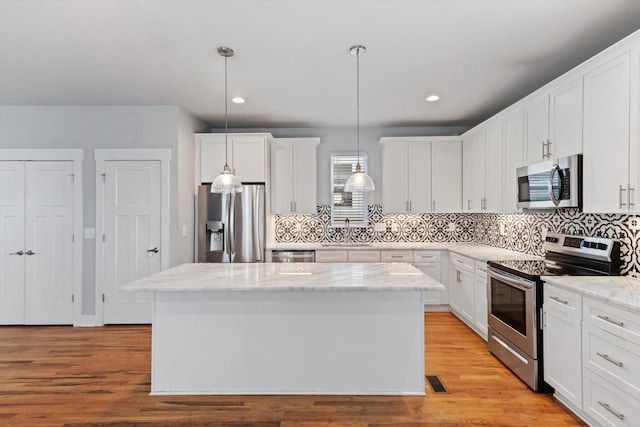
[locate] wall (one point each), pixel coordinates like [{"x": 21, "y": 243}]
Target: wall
[
  {"x": 88, "y": 128},
  {"x": 519, "y": 232}
]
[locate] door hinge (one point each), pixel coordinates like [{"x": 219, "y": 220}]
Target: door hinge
[
  {"x": 104, "y": 177},
  {"x": 102, "y": 297}
]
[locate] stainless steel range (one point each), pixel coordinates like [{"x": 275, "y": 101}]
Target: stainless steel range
[{"x": 515, "y": 297}]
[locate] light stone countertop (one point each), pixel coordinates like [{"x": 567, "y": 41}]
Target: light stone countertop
[
  {"x": 472, "y": 250},
  {"x": 622, "y": 291},
  {"x": 287, "y": 277}
]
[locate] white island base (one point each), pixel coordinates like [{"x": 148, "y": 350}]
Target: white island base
[
  {"x": 283, "y": 329},
  {"x": 288, "y": 343}
]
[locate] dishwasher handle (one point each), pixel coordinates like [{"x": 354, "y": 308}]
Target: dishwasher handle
[{"x": 293, "y": 256}]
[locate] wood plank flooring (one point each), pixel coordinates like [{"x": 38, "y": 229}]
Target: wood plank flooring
[{"x": 101, "y": 377}]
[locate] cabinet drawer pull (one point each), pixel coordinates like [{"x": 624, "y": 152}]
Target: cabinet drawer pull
[
  {"x": 613, "y": 411},
  {"x": 561, "y": 301},
  {"x": 397, "y": 256},
  {"x": 607, "y": 319},
  {"x": 608, "y": 359}
]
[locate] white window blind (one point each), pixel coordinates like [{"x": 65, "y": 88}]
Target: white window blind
[{"x": 343, "y": 204}]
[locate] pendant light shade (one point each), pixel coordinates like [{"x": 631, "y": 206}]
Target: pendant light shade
[
  {"x": 359, "y": 181},
  {"x": 226, "y": 182}
]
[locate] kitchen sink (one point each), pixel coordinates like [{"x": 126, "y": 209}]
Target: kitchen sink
[{"x": 346, "y": 245}]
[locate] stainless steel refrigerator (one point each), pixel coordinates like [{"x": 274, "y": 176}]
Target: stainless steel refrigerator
[{"x": 231, "y": 227}]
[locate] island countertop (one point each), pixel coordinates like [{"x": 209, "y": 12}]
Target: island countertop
[{"x": 287, "y": 277}]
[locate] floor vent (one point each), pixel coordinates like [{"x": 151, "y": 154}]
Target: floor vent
[{"x": 436, "y": 384}]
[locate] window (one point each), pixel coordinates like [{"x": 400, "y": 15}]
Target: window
[{"x": 347, "y": 205}]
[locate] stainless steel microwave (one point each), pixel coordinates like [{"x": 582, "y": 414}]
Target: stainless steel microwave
[{"x": 552, "y": 184}]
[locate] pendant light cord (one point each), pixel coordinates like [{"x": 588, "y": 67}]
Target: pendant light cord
[
  {"x": 226, "y": 133},
  {"x": 358, "y": 109}
]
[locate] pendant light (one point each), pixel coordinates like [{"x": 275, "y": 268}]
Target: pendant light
[
  {"x": 358, "y": 181},
  {"x": 226, "y": 182}
]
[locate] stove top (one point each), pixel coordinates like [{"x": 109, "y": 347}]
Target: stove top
[{"x": 568, "y": 256}]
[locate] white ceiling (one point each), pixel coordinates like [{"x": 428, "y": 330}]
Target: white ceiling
[{"x": 292, "y": 61}]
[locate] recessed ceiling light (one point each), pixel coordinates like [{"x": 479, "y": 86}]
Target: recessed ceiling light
[
  {"x": 432, "y": 98},
  {"x": 237, "y": 100}
]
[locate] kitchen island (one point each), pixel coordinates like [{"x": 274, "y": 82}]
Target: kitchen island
[{"x": 288, "y": 328}]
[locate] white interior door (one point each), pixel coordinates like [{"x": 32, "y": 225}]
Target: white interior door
[
  {"x": 132, "y": 219},
  {"x": 49, "y": 243},
  {"x": 12, "y": 193}
]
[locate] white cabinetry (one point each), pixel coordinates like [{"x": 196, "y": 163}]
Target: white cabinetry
[
  {"x": 246, "y": 155},
  {"x": 446, "y": 176},
  {"x": 553, "y": 122},
  {"x": 406, "y": 181},
  {"x": 429, "y": 262},
  {"x": 481, "y": 300},
  {"x": 513, "y": 158},
  {"x": 293, "y": 175},
  {"x": 332, "y": 256},
  {"x": 562, "y": 343},
  {"x": 482, "y": 158},
  {"x": 610, "y": 160},
  {"x": 462, "y": 284},
  {"x": 610, "y": 360},
  {"x": 421, "y": 174},
  {"x": 493, "y": 167}
]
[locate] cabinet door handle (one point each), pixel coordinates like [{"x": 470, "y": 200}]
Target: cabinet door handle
[
  {"x": 544, "y": 156},
  {"x": 295, "y": 206},
  {"x": 621, "y": 190},
  {"x": 630, "y": 201},
  {"x": 468, "y": 204},
  {"x": 610, "y": 409},
  {"x": 610, "y": 320},
  {"x": 548, "y": 148},
  {"x": 29, "y": 252},
  {"x": 433, "y": 206},
  {"x": 410, "y": 206},
  {"x": 608, "y": 359},
  {"x": 155, "y": 250},
  {"x": 16, "y": 253},
  {"x": 561, "y": 301}
]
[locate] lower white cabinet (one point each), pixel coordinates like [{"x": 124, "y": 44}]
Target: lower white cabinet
[
  {"x": 429, "y": 262},
  {"x": 562, "y": 343},
  {"x": 332, "y": 256},
  {"x": 481, "y": 311},
  {"x": 592, "y": 356},
  {"x": 462, "y": 287}
]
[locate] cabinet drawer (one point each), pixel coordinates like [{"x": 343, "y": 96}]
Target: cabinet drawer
[
  {"x": 396, "y": 256},
  {"x": 562, "y": 300},
  {"x": 607, "y": 404},
  {"x": 481, "y": 268},
  {"x": 421, "y": 257},
  {"x": 618, "y": 321},
  {"x": 461, "y": 261},
  {"x": 611, "y": 357},
  {"x": 364, "y": 256},
  {"x": 332, "y": 256}
]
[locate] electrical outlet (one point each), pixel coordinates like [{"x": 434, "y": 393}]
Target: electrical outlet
[{"x": 380, "y": 227}]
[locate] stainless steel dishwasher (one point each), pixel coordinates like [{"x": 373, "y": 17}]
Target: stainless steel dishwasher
[{"x": 293, "y": 256}]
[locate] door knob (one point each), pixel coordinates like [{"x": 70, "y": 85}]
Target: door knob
[
  {"x": 16, "y": 253},
  {"x": 29, "y": 252},
  {"x": 154, "y": 250}
]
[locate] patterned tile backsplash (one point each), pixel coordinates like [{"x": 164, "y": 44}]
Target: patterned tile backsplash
[{"x": 520, "y": 232}]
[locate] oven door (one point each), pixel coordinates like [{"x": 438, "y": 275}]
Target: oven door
[{"x": 512, "y": 309}]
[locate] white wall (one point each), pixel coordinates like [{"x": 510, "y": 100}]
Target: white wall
[{"x": 91, "y": 127}]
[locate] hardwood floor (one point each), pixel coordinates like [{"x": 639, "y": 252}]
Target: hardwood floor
[{"x": 101, "y": 377}]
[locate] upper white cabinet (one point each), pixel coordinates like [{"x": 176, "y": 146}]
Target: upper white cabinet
[
  {"x": 610, "y": 158},
  {"x": 482, "y": 158},
  {"x": 553, "y": 122},
  {"x": 406, "y": 184},
  {"x": 513, "y": 158},
  {"x": 421, "y": 174},
  {"x": 293, "y": 175},
  {"x": 446, "y": 176},
  {"x": 246, "y": 155},
  {"x": 493, "y": 167}
]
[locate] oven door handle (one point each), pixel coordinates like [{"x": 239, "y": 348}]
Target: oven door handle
[
  {"x": 554, "y": 169},
  {"x": 524, "y": 286}
]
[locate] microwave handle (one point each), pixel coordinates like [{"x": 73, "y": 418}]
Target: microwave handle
[{"x": 555, "y": 169}]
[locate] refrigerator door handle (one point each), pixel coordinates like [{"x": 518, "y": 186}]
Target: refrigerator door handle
[
  {"x": 231, "y": 247},
  {"x": 257, "y": 208}
]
